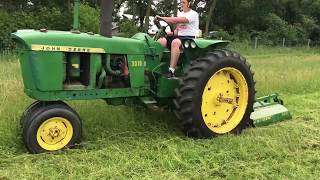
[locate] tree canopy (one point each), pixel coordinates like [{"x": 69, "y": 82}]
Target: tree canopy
[{"x": 237, "y": 19}]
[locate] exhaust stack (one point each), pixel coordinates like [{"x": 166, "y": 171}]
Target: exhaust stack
[
  {"x": 75, "y": 26},
  {"x": 106, "y": 18}
]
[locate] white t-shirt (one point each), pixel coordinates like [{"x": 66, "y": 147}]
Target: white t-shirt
[{"x": 191, "y": 28}]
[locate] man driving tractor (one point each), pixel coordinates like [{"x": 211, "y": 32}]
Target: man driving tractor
[{"x": 187, "y": 27}]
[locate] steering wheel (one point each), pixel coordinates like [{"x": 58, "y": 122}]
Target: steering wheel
[{"x": 162, "y": 28}]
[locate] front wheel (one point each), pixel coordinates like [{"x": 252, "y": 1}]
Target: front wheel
[
  {"x": 51, "y": 127},
  {"x": 216, "y": 95}
]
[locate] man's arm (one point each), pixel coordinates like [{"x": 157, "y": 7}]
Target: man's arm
[
  {"x": 175, "y": 31},
  {"x": 175, "y": 20}
]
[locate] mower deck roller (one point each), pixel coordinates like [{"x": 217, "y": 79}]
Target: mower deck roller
[{"x": 269, "y": 110}]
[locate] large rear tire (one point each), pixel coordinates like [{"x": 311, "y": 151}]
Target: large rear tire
[{"x": 216, "y": 95}]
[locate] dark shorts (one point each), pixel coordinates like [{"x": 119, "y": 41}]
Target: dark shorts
[{"x": 171, "y": 38}]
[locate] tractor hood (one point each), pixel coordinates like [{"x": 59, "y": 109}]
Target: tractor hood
[{"x": 35, "y": 39}]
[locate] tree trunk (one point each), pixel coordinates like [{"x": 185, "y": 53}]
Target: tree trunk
[
  {"x": 146, "y": 23},
  {"x": 69, "y": 6},
  {"x": 175, "y": 6},
  {"x": 209, "y": 16}
]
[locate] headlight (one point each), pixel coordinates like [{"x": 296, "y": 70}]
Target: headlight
[
  {"x": 187, "y": 44},
  {"x": 193, "y": 44}
]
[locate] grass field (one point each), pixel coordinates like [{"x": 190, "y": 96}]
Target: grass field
[{"x": 126, "y": 142}]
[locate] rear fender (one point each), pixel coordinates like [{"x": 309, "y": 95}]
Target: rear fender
[
  {"x": 206, "y": 44},
  {"x": 202, "y": 47}
]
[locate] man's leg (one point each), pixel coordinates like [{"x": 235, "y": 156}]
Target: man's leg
[
  {"x": 163, "y": 42},
  {"x": 175, "y": 53}
]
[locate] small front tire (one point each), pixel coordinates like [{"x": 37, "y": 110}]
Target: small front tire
[{"x": 52, "y": 127}]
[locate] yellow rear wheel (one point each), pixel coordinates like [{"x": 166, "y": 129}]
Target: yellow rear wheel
[
  {"x": 224, "y": 100},
  {"x": 216, "y": 95}
]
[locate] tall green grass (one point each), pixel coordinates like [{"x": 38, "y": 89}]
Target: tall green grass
[
  {"x": 288, "y": 71},
  {"x": 130, "y": 142}
]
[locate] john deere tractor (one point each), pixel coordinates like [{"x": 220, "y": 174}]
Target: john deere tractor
[{"x": 213, "y": 95}]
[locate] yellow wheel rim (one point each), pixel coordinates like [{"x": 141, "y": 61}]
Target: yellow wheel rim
[
  {"x": 54, "y": 134},
  {"x": 224, "y": 100}
]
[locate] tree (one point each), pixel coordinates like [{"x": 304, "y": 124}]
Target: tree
[
  {"x": 146, "y": 26},
  {"x": 209, "y": 15},
  {"x": 167, "y": 8},
  {"x": 14, "y": 5}
]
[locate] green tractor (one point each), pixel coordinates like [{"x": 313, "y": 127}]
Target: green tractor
[{"x": 214, "y": 95}]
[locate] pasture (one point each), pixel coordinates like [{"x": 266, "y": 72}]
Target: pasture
[{"x": 128, "y": 142}]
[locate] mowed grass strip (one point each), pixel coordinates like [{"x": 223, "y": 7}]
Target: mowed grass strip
[{"x": 129, "y": 142}]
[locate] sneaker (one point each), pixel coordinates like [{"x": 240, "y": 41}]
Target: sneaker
[{"x": 171, "y": 75}]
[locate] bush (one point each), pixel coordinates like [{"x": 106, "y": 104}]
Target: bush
[
  {"x": 89, "y": 19},
  {"x": 8, "y": 25},
  {"x": 240, "y": 34},
  {"x": 128, "y": 28},
  {"x": 5, "y": 24},
  {"x": 45, "y": 17},
  {"x": 278, "y": 28},
  {"x": 51, "y": 18},
  {"x": 308, "y": 28}
]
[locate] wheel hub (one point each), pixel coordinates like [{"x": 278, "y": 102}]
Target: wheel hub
[
  {"x": 221, "y": 99},
  {"x": 54, "y": 133}
]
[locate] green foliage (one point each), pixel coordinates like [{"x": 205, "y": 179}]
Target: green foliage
[
  {"x": 309, "y": 27},
  {"x": 9, "y": 24},
  {"x": 128, "y": 28},
  {"x": 138, "y": 8},
  {"x": 44, "y": 17},
  {"x": 240, "y": 34},
  {"x": 237, "y": 20},
  {"x": 51, "y": 18},
  {"x": 89, "y": 19},
  {"x": 165, "y": 8},
  {"x": 270, "y": 20},
  {"x": 278, "y": 28},
  {"x": 308, "y": 23},
  {"x": 6, "y": 24}
]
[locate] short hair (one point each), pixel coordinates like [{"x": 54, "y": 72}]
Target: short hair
[{"x": 190, "y": 3}]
